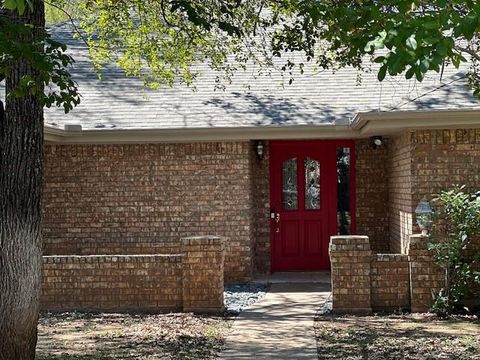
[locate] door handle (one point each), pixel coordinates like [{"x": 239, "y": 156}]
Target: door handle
[{"x": 276, "y": 216}]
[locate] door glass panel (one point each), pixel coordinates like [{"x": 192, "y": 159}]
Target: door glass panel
[
  {"x": 344, "y": 219},
  {"x": 312, "y": 184},
  {"x": 290, "y": 187}
]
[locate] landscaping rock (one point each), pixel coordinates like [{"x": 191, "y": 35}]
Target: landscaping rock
[{"x": 237, "y": 297}]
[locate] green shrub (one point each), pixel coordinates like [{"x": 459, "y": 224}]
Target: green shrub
[{"x": 457, "y": 222}]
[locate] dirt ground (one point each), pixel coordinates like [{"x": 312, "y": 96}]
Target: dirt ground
[
  {"x": 74, "y": 335},
  {"x": 71, "y": 336},
  {"x": 412, "y": 336}
]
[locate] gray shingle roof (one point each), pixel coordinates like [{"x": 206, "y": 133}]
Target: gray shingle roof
[{"x": 119, "y": 102}]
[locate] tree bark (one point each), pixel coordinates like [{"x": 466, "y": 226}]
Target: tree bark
[{"x": 21, "y": 156}]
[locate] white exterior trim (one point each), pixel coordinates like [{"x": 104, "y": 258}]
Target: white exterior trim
[{"x": 362, "y": 126}]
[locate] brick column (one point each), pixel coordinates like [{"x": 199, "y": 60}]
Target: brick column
[
  {"x": 350, "y": 257},
  {"x": 203, "y": 274},
  {"x": 426, "y": 278}
]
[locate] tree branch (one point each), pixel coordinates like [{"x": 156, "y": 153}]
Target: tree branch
[
  {"x": 469, "y": 51},
  {"x": 70, "y": 18}
]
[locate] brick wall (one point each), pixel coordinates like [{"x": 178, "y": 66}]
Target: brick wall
[
  {"x": 400, "y": 205},
  {"x": 362, "y": 281},
  {"x": 390, "y": 282},
  {"x": 107, "y": 283},
  {"x": 261, "y": 211},
  {"x": 140, "y": 199},
  {"x": 350, "y": 257},
  {"x": 203, "y": 273},
  {"x": 191, "y": 281},
  {"x": 441, "y": 158},
  {"x": 372, "y": 194},
  {"x": 422, "y": 163},
  {"x": 426, "y": 278}
]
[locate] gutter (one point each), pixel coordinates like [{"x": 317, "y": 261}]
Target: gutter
[
  {"x": 116, "y": 136},
  {"x": 364, "y": 125},
  {"x": 386, "y": 123}
]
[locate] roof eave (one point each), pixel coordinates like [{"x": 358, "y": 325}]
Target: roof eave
[
  {"x": 112, "y": 136},
  {"x": 387, "y": 123},
  {"x": 363, "y": 125}
]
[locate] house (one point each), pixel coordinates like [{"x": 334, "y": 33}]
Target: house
[{"x": 275, "y": 170}]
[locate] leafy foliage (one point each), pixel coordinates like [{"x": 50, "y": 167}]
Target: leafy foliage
[
  {"x": 162, "y": 40},
  {"x": 403, "y": 37},
  {"x": 52, "y": 83},
  {"x": 458, "y": 222}
]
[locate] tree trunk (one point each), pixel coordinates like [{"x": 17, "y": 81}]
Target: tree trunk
[{"x": 21, "y": 143}]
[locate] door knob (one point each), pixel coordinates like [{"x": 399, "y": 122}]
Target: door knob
[{"x": 275, "y": 216}]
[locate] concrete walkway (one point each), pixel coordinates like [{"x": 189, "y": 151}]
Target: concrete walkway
[{"x": 280, "y": 326}]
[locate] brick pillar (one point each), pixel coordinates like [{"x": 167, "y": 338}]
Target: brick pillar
[
  {"x": 203, "y": 274},
  {"x": 350, "y": 257},
  {"x": 426, "y": 278}
]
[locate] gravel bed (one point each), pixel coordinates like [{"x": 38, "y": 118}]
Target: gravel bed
[{"x": 237, "y": 297}]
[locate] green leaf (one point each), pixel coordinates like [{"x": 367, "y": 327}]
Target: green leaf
[
  {"x": 410, "y": 72},
  {"x": 411, "y": 42},
  {"x": 382, "y": 72},
  {"x": 21, "y": 6},
  {"x": 424, "y": 65},
  {"x": 430, "y": 24},
  {"x": 10, "y": 4},
  {"x": 419, "y": 75},
  {"x": 441, "y": 49}
]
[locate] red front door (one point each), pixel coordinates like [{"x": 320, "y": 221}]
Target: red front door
[{"x": 303, "y": 194}]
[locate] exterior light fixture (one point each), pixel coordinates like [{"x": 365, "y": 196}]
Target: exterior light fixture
[
  {"x": 423, "y": 214},
  {"x": 376, "y": 142},
  {"x": 260, "y": 149}
]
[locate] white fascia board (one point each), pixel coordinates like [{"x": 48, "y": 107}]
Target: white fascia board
[
  {"x": 386, "y": 123},
  {"x": 200, "y": 134},
  {"x": 362, "y": 126}
]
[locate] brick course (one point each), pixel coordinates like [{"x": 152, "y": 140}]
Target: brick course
[
  {"x": 421, "y": 164},
  {"x": 390, "y": 282},
  {"x": 350, "y": 257},
  {"x": 426, "y": 277},
  {"x": 372, "y": 194},
  {"x": 400, "y": 203},
  {"x": 362, "y": 281},
  {"x": 191, "y": 281},
  {"x": 141, "y": 199},
  {"x": 203, "y": 273},
  {"x": 441, "y": 158},
  {"x": 261, "y": 211},
  {"x": 112, "y": 283}
]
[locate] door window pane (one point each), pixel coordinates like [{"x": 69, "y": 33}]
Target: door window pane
[
  {"x": 312, "y": 184},
  {"x": 344, "y": 219},
  {"x": 290, "y": 187}
]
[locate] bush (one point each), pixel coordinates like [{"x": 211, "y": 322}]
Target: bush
[{"x": 457, "y": 222}]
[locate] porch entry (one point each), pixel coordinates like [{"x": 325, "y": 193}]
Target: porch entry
[{"x": 312, "y": 198}]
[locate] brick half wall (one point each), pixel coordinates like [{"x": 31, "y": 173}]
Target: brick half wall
[
  {"x": 112, "y": 283},
  {"x": 191, "y": 281},
  {"x": 362, "y": 281},
  {"x": 390, "y": 282}
]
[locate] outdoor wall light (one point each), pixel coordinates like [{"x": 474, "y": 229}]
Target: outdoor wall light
[
  {"x": 260, "y": 148},
  {"x": 376, "y": 141},
  {"x": 423, "y": 214}
]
